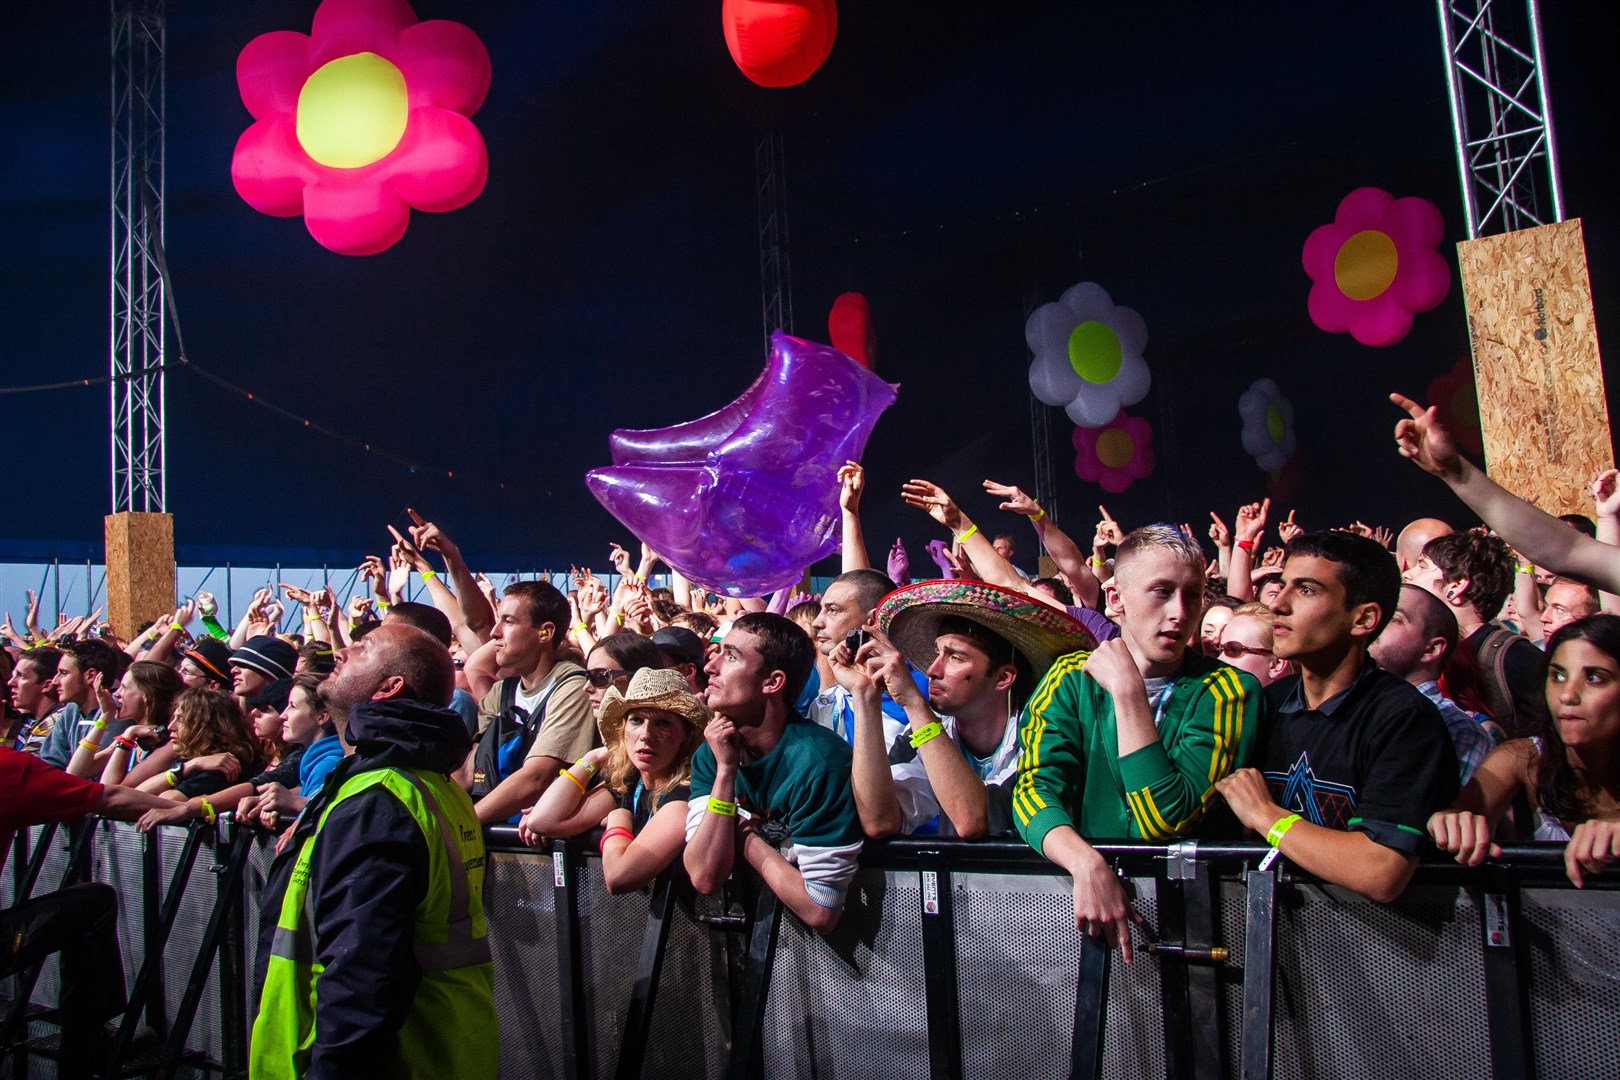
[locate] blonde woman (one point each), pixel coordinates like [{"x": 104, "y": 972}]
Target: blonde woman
[{"x": 635, "y": 785}]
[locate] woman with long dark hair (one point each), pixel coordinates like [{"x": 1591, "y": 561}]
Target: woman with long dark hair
[{"x": 1568, "y": 771}]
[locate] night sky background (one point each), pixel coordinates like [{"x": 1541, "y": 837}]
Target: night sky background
[{"x": 952, "y": 161}]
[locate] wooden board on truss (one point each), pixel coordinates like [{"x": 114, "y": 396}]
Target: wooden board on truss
[
  {"x": 1536, "y": 363},
  {"x": 140, "y": 569}
]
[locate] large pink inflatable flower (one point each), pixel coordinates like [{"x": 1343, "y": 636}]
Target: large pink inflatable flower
[
  {"x": 1376, "y": 266},
  {"x": 360, "y": 121},
  {"x": 1115, "y": 455}
]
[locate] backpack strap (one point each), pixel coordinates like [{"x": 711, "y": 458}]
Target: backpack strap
[{"x": 1492, "y": 656}]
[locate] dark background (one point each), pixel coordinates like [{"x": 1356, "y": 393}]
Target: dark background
[{"x": 951, "y": 160}]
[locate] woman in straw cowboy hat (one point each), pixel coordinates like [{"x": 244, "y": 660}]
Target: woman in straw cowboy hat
[{"x": 635, "y": 785}]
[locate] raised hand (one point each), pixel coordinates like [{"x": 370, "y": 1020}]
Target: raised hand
[
  {"x": 1383, "y": 535},
  {"x": 1606, "y": 493},
  {"x": 297, "y": 595},
  {"x": 932, "y": 498},
  {"x": 1426, "y": 441},
  {"x": 1108, "y": 531},
  {"x": 1287, "y": 529},
  {"x": 428, "y": 536},
  {"x": 899, "y": 563},
  {"x": 1013, "y": 499},
  {"x": 207, "y": 606},
  {"x": 1274, "y": 556},
  {"x": 399, "y": 574},
  {"x": 407, "y": 552},
  {"x": 620, "y": 559},
  {"x": 940, "y": 552},
  {"x": 1218, "y": 532},
  {"x": 1251, "y": 522},
  {"x": 359, "y": 607},
  {"x": 853, "y": 480},
  {"x": 31, "y": 613}
]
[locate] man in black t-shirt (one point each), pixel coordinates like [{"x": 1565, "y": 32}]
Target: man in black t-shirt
[{"x": 1354, "y": 759}]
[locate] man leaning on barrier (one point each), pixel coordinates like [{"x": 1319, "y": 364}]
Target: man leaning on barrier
[
  {"x": 1354, "y": 759},
  {"x": 1128, "y": 740},
  {"x": 374, "y": 951},
  {"x": 767, "y": 784}
]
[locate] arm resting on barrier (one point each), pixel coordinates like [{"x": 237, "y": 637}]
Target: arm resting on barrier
[
  {"x": 627, "y": 865},
  {"x": 1464, "y": 829},
  {"x": 520, "y": 790},
  {"x": 788, "y": 884},
  {"x": 711, "y": 838},
  {"x": 1101, "y": 907}
]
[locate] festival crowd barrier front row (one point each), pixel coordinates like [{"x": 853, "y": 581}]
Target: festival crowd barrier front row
[{"x": 953, "y": 959}]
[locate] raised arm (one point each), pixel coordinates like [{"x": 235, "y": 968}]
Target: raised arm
[
  {"x": 853, "y": 480},
  {"x": 1059, "y": 545},
  {"x": 987, "y": 561},
  {"x": 477, "y": 615},
  {"x": 1536, "y": 534}
]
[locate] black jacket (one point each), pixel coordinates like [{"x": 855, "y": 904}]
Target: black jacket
[{"x": 368, "y": 872}]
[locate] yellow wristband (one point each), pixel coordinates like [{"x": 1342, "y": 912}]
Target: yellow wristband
[
  {"x": 971, "y": 529},
  {"x": 581, "y": 628},
  {"x": 1278, "y": 831},
  {"x": 177, "y": 627},
  {"x": 86, "y": 744},
  {"x": 1101, "y": 564},
  {"x": 1038, "y": 514},
  {"x": 429, "y": 575},
  {"x": 209, "y": 813},
  {"x": 99, "y": 725},
  {"x": 577, "y": 781},
  {"x": 1525, "y": 569},
  {"x": 169, "y": 776},
  {"x": 590, "y": 770},
  {"x": 723, "y": 808},
  {"x": 928, "y": 731}
]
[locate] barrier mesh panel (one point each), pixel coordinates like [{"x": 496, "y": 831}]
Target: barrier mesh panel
[
  {"x": 1574, "y": 982},
  {"x": 610, "y": 928},
  {"x": 852, "y": 1005},
  {"x": 689, "y": 1036},
  {"x": 1369, "y": 990},
  {"x": 523, "y": 939}
]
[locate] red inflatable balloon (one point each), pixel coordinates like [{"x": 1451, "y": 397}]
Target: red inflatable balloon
[
  {"x": 849, "y": 328},
  {"x": 779, "y": 42}
]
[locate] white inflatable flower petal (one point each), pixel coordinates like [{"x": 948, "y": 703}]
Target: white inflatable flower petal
[
  {"x": 1268, "y": 424},
  {"x": 1088, "y": 355}
]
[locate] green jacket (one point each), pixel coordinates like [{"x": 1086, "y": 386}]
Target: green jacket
[{"x": 1070, "y": 773}]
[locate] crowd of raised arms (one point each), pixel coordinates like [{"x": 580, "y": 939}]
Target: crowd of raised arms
[{"x": 1353, "y": 696}]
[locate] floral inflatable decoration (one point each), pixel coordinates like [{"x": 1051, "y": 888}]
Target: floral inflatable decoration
[
  {"x": 1455, "y": 398},
  {"x": 1088, "y": 355},
  {"x": 1375, "y": 266},
  {"x": 1268, "y": 425},
  {"x": 1116, "y": 455},
  {"x": 779, "y": 42},
  {"x": 361, "y": 121}
]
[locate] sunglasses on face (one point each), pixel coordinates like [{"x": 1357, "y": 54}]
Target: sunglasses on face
[
  {"x": 602, "y": 678},
  {"x": 1233, "y": 649}
]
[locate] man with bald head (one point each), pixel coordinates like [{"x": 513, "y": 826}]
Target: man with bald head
[
  {"x": 1415, "y": 645},
  {"x": 1409, "y": 545},
  {"x": 374, "y": 953}
]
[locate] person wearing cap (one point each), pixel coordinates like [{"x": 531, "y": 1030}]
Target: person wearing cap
[
  {"x": 684, "y": 651},
  {"x": 983, "y": 648},
  {"x": 635, "y": 785},
  {"x": 800, "y": 832},
  {"x": 1127, "y": 741},
  {"x": 207, "y": 663},
  {"x": 259, "y": 662}
]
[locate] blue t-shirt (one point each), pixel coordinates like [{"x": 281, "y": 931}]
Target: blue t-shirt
[{"x": 321, "y": 758}]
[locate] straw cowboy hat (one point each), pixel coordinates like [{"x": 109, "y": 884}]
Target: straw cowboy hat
[
  {"x": 651, "y": 688},
  {"x": 1042, "y": 633}
]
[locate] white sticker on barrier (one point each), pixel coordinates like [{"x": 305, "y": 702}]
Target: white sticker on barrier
[
  {"x": 559, "y": 872},
  {"x": 1497, "y": 933},
  {"x": 930, "y": 892}
]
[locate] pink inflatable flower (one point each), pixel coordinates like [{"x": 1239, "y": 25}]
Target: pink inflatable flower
[
  {"x": 1376, "y": 266},
  {"x": 1115, "y": 455},
  {"x": 360, "y": 121}
]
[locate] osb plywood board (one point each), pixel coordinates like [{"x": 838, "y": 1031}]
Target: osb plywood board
[
  {"x": 1536, "y": 363},
  {"x": 140, "y": 569}
]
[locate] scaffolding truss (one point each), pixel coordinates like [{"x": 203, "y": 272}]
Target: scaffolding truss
[
  {"x": 1501, "y": 115},
  {"x": 775, "y": 275},
  {"x": 137, "y": 312}
]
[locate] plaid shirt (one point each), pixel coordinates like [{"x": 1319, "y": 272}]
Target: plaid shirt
[{"x": 1473, "y": 742}]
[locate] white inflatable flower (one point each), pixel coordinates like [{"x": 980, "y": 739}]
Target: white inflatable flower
[
  {"x": 1088, "y": 355},
  {"x": 1268, "y": 424}
]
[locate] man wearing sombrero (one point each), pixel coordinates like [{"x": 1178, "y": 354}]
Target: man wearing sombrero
[
  {"x": 1128, "y": 741},
  {"x": 983, "y": 649}
]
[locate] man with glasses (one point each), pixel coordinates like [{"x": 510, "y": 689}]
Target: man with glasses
[
  {"x": 534, "y": 723},
  {"x": 1246, "y": 643}
]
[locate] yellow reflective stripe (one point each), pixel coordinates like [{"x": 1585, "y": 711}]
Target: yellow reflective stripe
[{"x": 1027, "y": 802}]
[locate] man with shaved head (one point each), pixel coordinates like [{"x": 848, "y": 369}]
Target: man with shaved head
[
  {"x": 374, "y": 953},
  {"x": 1415, "y": 645},
  {"x": 1409, "y": 545}
]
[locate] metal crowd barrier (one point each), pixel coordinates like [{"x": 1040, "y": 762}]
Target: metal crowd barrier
[{"x": 953, "y": 959}]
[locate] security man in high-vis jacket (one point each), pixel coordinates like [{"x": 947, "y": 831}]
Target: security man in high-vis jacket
[{"x": 374, "y": 954}]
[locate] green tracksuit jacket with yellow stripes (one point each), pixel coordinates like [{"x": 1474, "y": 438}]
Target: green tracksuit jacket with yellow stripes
[{"x": 1070, "y": 771}]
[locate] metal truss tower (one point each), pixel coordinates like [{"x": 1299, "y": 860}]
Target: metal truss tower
[
  {"x": 775, "y": 275},
  {"x": 137, "y": 314},
  {"x": 1501, "y": 114},
  {"x": 1040, "y": 434}
]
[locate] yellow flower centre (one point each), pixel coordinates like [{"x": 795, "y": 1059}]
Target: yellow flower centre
[
  {"x": 1115, "y": 448},
  {"x": 1365, "y": 265},
  {"x": 352, "y": 111},
  {"x": 1276, "y": 425},
  {"x": 1094, "y": 351}
]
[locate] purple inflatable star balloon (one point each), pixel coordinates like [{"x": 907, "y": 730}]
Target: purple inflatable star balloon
[{"x": 742, "y": 500}]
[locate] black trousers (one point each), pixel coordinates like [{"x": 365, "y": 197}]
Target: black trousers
[{"x": 81, "y": 923}]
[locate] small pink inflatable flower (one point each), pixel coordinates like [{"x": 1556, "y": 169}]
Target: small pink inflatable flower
[
  {"x": 1115, "y": 455},
  {"x": 361, "y": 121},
  {"x": 1376, "y": 266}
]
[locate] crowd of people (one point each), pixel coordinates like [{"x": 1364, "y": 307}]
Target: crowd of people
[{"x": 1353, "y": 696}]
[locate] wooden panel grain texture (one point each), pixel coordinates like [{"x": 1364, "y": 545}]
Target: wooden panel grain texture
[
  {"x": 1537, "y": 365},
  {"x": 140, "y": 569}
]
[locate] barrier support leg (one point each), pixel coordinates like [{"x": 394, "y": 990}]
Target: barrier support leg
[
  {"x": 1507, "y": 1002},
  {"x": 939, "y": 968},
  {"x": 570, "y": 961},
  {"x": 1090, "y": 1010},
  {"x": 638, "y": 1018},
  {"x": 750, "y": 1020},
  {"x": 1259, "y": 972},
  {"x": 1203, "y": 980}
]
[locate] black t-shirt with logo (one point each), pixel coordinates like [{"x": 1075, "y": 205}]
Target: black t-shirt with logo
[{"x": 1375, "y": 757}]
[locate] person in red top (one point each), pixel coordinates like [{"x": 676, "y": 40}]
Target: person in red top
[{"x": 80, "y": 921}]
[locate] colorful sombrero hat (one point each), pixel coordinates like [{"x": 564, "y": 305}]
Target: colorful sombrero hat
[{"x": 910, "y": 616}]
